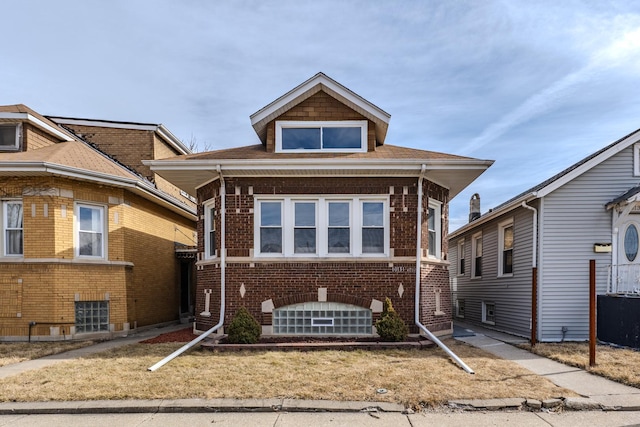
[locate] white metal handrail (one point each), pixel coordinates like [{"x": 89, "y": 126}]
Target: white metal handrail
[{"x": 623, "y": 279}]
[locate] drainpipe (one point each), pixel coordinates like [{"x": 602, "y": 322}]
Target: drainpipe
[
  {"x": 534, "y": 276},
  {"x": 223, "y": 257},
  {"x": 534, "y": 258},
  {"x": 417, "y": 296}
]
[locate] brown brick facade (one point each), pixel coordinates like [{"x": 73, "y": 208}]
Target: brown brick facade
[
  {"x": 319, "y": 107},
  {"x": 250, "y": 281}
]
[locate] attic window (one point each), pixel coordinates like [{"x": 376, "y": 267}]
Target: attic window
[
  {"x": 10, "y": 137},
  {"x": 343, "y": 136}
]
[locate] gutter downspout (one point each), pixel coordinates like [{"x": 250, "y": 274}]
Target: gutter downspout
[
  {"x": 223, "y": 259},
  {"x": 417, "y": 295},
  {"x": 534, "y": 275}
]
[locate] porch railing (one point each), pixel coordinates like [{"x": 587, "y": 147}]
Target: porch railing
[{"x": 624, "y": 279}]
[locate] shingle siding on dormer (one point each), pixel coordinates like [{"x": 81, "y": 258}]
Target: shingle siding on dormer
[{"x": 319, "y": 107}]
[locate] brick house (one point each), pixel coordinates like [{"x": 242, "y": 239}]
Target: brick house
[
  {"x": 312, "y": 228},
  {"x": 91, "y": 238}
]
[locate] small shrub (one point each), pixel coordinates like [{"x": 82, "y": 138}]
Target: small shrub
[
  {"x": 390, "y": 326},
  {"x": 244, "y": 328}
]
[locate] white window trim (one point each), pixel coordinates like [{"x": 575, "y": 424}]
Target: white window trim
[
  {"x": 18, "y": 138},
  {"x": 461, "y": 256},
  {"x": 484, "y": 312},
  {"x": 208, "y": 205},
  {"x": 322, "y": 209},
  {"x": 636, "y": 159},
  {"x": 474, "y": 238},
  {"x": 501, "y": 227},
  {"x": 76, "y": 230},
  {"x": 5, "y": 218},
  {"x": 362, "y": 124},
  {"x": 437, "y": 208}
]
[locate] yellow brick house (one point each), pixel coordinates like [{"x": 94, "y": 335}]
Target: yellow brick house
[{"x": 92, "y": 243}]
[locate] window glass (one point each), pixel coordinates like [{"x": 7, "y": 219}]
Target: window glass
[
  {"x": 211, "y": 230},
  {"x": 507, "y": 254},
  {"x": 92, "y": 316},
  {"x": 301, "y": 138},
  {"x": 13, "y": 228},
  {"x": 339, "y": 235},
  {"x": 304, "y": 234},
  {"x": 372, "y": 227},
  {"x": 271, "y": 227},
  {"x": 431, "y": 225},
  {"x": 341, "y": 137},
  {"x": 8, "y": 136},
  {"x": 631, "y": 242},
  {"x": 90, "y": 229},
  {"x": 461, "y": 268},
  {"x": 477, "y": 260}
]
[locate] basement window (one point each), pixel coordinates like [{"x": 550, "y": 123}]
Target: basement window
[
  {"x": 489, "y": 313},
  {"x": 322, "y": 318},
  {"x": 340, "y": 136},
  {"x": 92, "y": 316}
]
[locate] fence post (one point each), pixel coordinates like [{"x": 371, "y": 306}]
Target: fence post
[{"x": 592, "y": 313}]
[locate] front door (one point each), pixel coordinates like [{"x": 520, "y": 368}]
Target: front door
[{"x": 628, "y": 242}]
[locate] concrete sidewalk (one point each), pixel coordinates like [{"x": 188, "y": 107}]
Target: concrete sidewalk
[{"x": 597, "y": 392}]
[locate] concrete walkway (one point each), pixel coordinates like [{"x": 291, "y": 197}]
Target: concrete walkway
[{"x": 597, "y": 392}]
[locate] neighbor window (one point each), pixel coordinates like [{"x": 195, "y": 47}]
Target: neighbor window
[
  {"x": 476, "y": 255},
  {"x": 331, "y": 226},
  {"x": 92, "y": 316},
  {"x": 90, "y": 225},
  {"x": 461, "y": 269},
  {"x": 210, "y": 230},
  {"x": 348, "y": 136},
  {"x": 434, "y": 213},
  {"x": 10, "y": 137},
  {"x": 489, "y": 312},
  {"x": 505, "y": 260},
  {"x": 12, "y": 227}
]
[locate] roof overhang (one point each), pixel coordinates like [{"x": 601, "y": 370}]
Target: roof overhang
[
  {"x": 30, "y": 118},
  {"x": 143, "y": 189},
  {"x": 189, "y": 175},
  {"x": 320, "y": 81}
]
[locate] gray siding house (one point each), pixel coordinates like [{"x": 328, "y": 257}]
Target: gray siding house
[{"x": 591, "y": 210}]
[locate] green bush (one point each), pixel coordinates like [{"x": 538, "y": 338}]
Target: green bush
[
  {"x": 244, "y": 328},
  {"x": 390, "y": 326}
]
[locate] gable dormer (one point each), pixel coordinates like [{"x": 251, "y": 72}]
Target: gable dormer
[{"x": 320, "y": 115}]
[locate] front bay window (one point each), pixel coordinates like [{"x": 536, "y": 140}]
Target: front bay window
[
  {"x": 322, "y": 226},
  {"x": 340, "y": 136}
]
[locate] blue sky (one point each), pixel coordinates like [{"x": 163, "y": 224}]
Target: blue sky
[{"x": 533, "y": 85}]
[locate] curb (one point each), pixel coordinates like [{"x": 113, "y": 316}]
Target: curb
[{"x": 195, "y": 406}]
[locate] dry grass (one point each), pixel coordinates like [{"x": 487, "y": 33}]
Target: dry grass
[
  {"x": 412, "y": 377},
  {"x": 19, "y": 352},
  {"x": 619, "y": 364}
]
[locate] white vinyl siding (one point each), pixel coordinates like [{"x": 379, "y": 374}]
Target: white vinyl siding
[{"x": 574, "y": 219}]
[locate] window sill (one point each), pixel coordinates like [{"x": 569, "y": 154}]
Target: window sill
[
  {"x": 486, "y": 322},
  {"x": 505, "y": 276},
  {"x": 21, "y": 260},
  {"x": 439, "y": 313},
  {"x": 476, "y": 277}
]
